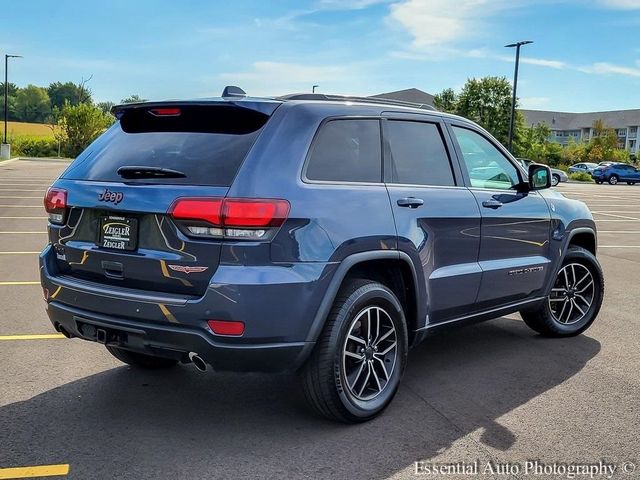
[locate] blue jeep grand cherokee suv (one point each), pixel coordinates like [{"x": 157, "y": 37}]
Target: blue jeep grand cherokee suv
[{"x": 318, "y": 234}]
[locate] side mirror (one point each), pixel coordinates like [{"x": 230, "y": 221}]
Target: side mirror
[{"x": 539, "y": 176}]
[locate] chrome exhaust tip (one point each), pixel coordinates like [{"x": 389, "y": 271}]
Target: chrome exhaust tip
[{"x": 197, "y": 361}]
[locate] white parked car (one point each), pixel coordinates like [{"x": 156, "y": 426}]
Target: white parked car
[{"x": 584, "y": 167}]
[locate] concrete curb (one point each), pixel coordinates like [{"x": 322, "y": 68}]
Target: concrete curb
[{"x": 41, "y": 159}]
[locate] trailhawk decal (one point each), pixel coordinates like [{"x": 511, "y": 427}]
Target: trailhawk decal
[
  {"x": 521, "y": 271},
  {"x": 186, "y": 269}
]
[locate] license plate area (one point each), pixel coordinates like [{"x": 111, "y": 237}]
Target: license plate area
[{"x": 118, "y": 233}]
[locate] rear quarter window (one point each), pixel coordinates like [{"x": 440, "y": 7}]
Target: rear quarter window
[
  {"x": 207, "y": 144},
  {"x": 346, "y": 150}
]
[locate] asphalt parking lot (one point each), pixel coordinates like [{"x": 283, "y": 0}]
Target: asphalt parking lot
[{"x": 491, "y": 392}]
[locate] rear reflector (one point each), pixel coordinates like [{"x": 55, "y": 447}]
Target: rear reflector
[
  {"x": 55, "y": 203},
  {"x": 225, "y": 327}
]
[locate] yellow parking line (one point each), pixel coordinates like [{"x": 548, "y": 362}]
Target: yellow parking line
[
  {"x": 31, "y": 472},
  {"x": 45, "y": 336},
  {"x": 7, "y": 284}
]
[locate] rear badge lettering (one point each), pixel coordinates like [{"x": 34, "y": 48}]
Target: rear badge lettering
[
  {"x": 109, "y": 196},
  {"x": 522, "y": 271},
  {"x": 185, "y": 269}
]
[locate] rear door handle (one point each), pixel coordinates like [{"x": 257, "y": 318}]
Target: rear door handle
[
  {"x": 410, "y": 202},
  {"x": 492, "y": 204}
]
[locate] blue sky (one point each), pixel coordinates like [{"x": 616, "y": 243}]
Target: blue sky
[{"x": 586, "y": 54}]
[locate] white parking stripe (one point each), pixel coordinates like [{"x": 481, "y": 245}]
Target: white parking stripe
[
  {"x": 615, "y": 216},
  {"x": 22, "y": 189},
  {"x": 7, "y": 196}
]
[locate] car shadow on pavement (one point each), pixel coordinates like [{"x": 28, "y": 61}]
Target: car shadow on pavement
[{"x": 127, "y": 423}]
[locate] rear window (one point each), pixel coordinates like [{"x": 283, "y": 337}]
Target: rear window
[
  {"x": 207, "y": 144},
  {"x": 347, "y": 151}
]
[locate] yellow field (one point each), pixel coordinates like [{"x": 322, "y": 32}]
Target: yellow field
[{"x": 15, "y": 129}]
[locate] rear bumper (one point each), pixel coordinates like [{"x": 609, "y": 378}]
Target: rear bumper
[
  {"x": 174, "y": 341},
  {"x": 277, "y": 303}
]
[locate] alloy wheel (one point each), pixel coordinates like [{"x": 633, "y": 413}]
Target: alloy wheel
[
  {"x": 369, "y": 353},
  {"x": 572, "y": 294}
]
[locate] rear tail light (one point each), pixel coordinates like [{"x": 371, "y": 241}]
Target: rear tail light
[
  {"x": 55, "y": 203},
  {"x": 236, "y": 218}
]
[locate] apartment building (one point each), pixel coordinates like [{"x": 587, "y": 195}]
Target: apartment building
[{"x": 579, "y": 126}]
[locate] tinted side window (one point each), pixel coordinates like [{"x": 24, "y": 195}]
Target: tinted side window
[
  {"x": 418, "y": 154},
  {"x": 347, "y": 151},
  {"x": 487, "y": 166}
]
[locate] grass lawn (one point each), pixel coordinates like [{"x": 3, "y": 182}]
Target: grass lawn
[{"x": 17, "y": 129}]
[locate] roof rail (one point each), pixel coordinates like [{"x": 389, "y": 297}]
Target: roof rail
[{"x": 347, "y": 98}]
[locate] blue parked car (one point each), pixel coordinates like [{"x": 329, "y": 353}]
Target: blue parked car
[
  {"x": 319, "y": 234},
  {"x": 615, "y": 173}
]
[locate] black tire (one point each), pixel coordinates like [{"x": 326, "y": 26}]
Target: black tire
[
  {"x": 599, "y": 182},
  {"x": 325, "y": 374},
  {"x": 631, "y": 183},
  {"x": 613, "y": 180},
  {"x": 555, "y": 180},
  {"x": 141, "y": 360},
  {"x": 542, "y": 318}
]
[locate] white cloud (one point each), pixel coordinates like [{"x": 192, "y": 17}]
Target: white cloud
[
  {"x": 276, "y": 78},
  {"x": 534, "y": 102},
  {"x": 348, "y": 4},
  {"x": 541, "y": 62},
  {"x": 437, "y": 23},
  {"x": 603, "y": 68},
  {"x": 621, "y": 4}
]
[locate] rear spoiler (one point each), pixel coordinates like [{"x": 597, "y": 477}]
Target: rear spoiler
[{"x": 264, "y": 106}]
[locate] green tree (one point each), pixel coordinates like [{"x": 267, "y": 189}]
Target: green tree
[
  {"x": 445, "y": 101},
  {"x": 105, "y": 106},
  {"x": 80, "y": 125},
  {"x": 487, "y": 101},
  {"x": 574, "y": 152},
  {"x": 61, "y": 93},
  {"x": 133, "y": 99},
  {"x": 534, "y": 143},
  {"x": 11, "y": 104},
  {"x": 32, "y": 104}
]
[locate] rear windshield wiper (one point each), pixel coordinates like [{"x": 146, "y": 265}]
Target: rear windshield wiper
[{"x": 134, "y": 171}]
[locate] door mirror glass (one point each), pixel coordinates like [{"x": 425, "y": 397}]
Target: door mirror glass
[{"x": 539, "y": 177}]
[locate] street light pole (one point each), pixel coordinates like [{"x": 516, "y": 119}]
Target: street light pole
[
  {"x": 313, "y": 89},
  {"x": 6, "y": 91},
  {"x": 517, "y": 45}
]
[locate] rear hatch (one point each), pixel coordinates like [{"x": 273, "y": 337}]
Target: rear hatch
[{"x": 115, "y": 228}]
